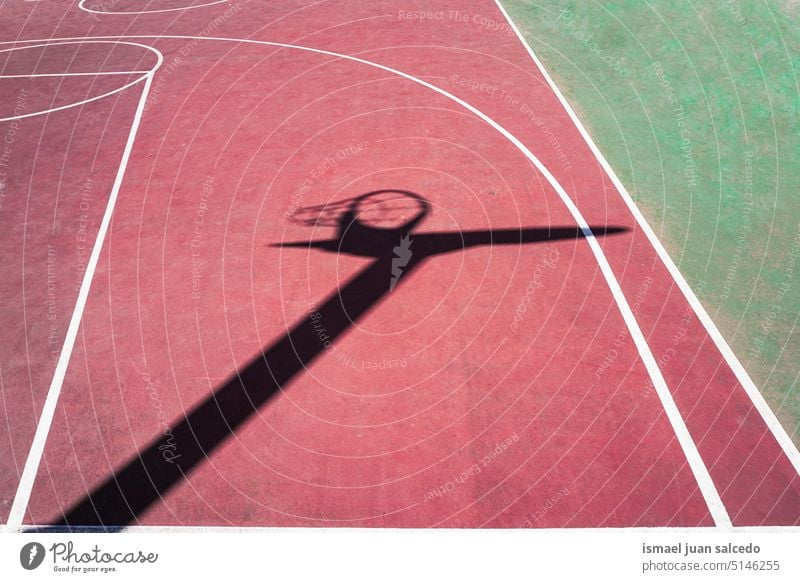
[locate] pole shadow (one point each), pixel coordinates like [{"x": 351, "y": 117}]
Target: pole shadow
[{"x": 124, "y": 496}]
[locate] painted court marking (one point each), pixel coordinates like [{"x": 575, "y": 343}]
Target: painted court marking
[
  {"x": 768, "y": 416},
  {"x": 158, "y": 55},
  {"x": 82, "y": 6},
  {"x": 210, "y": 529},
  {"x": 701, "y": 474},
  {"x": 22, "y": 496},
  {"x": 703, "y": 478},
  {"x": 77, "y": 104},
  {"x": 37, "y": 75}
]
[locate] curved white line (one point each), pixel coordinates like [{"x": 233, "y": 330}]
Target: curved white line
[
  {"x": 83, "y": 40},
  {"x": 699, "y": 470},
  {"x": 77, "y": 104},
  {"x": 159, "y": 60},
  {"x": 82, "y": 6},
  {"x": 768, "y": 416},
  {"x": 89, "y": 74}
]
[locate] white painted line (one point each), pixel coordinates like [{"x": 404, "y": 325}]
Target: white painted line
[
  {"x": 82, "y": 6},
  {"x": 210, "y": 529},
  {"x": 76, "y": 104},
  {"x": 66, "y": 42},
  {"x": 82, "y": 40},
  {"x": 706, "y": 485},
  {"x": 34, "y": 459},
  {"x": 775, "y": 427},
  {"x": 37, "y": 75}
]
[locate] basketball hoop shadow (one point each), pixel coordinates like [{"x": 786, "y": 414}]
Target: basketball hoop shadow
[{"x": 131, "y": 490}]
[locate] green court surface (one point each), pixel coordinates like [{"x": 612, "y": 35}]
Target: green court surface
[{"x": 695, "y": 106}]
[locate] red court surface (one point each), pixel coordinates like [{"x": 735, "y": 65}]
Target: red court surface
[{"x": 229, "y": 367}]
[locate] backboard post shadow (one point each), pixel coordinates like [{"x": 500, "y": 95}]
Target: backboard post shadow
[{"x": 125, "y": 495}]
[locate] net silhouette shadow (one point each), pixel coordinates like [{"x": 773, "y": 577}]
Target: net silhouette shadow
[{"x": 125, "y": 495}]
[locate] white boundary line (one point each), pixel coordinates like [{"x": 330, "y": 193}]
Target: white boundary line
[
  {"x": 37, "y": 75},
  {"x": 23, "y": 494},
  {"x": 700, "y": 471},
  {"x": 77, "y": 104},
  {"x": 211, "y": 529},
  {"x": 57, "y": 42},
  {"x": 82, "y": 6},
  {"x": 775, "y": 427}
]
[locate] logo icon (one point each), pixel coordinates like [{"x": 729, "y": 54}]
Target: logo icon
[
  {"x": 31, "y": 555},
  {"x": 402, "y": 254}
]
